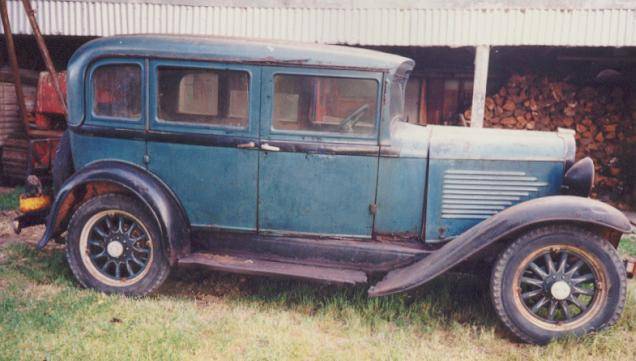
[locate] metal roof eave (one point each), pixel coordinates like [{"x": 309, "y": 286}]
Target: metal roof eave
[
  {"x": 353, "y": 22},
  {"x": 394, "y": 4}
]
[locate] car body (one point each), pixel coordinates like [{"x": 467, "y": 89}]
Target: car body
[{"x": 285, "y": 159}]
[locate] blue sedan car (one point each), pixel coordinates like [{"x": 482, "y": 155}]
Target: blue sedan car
[{"x": 284, "y": 159}]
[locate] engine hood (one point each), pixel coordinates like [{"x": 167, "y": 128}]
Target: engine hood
[{"x": 456, "y": 143}]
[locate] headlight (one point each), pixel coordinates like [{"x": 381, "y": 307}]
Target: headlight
[{"x": 579, "y": 179}]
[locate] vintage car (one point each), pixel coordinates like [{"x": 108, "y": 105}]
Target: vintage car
[{"x": 282, "y": 159}]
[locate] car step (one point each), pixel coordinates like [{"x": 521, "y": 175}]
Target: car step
[{"x": 254, "y": 266}]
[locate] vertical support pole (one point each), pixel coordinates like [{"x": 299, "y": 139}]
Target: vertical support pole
[
  {"x": 15, "y": 69},
  {"x": 482, "y": 58},
  {"x": 44, "y": 51}
]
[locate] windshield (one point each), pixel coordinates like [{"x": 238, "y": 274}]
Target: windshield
[{"x": 396, "y": 108}]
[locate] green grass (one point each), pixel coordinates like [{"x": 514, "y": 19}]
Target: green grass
[
  {"x": 201, "y": 315},
  {"x": 9, "y": 201},
  {"x": 628, "y": 245}
]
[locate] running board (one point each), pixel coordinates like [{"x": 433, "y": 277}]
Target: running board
[
  {"x": 360, "y": 255},
  {"x": 254, "y": 266}
]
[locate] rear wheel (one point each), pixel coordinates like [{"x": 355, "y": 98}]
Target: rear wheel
[
  {"x": 113, "y": 246},
  {"x": 558, "y": 280}
]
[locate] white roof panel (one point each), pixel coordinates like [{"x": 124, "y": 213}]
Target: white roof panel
[{"x": 354, "y": 22}]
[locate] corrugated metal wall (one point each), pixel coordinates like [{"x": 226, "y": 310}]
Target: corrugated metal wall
[{"x": 363, "y": 26}]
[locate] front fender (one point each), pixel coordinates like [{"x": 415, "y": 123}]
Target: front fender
[
  {"x": 156, "y": 196},
  {"x": 506, "y": 222}
]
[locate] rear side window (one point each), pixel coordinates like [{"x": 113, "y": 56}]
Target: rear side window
[
  {"x": 117, "y": 91},
  {"x": 325, "y": 104},
  {"x": 203, "y": 96}
]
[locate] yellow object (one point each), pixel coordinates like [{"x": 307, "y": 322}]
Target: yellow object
[{"x": 32, "y": 204}]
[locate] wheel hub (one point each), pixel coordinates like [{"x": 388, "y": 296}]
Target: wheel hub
[
  {"x": 115, "y": 249},
  {"x": 118, "y": 247},
  {"x": 560, "y": 290},
  {"x": 558, "y": 286}
]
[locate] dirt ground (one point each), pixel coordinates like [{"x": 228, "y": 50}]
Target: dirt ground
[{"x": 30, "y": 235}]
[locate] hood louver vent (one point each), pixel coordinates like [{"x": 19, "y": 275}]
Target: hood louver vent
[{"x": 472, "y": 194}]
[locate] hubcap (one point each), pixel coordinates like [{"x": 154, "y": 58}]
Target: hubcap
[
  {"x": 560, "y": 290},
  {"x": 115, "y": 249},
  {"x": 558, "y": 286}
]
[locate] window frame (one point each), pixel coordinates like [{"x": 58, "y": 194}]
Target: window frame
[
  {"x": 110, "y": 121},
  {"x": 267, "y": 108},
  {"x": 253, "y": 95}
]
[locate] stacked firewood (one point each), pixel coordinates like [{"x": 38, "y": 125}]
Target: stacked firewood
[
  {"x": 603, "y": 116},
  {"x": 10, "y": 121},
  {"x": 13, "y": 142}
]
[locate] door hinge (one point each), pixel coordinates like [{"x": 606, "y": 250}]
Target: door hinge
[
  {"x": 146, "y": 158},
  {"x": 373, "y": 208}
]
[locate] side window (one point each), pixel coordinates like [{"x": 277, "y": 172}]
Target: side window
[
  {"x": 203, "y": 96},
  {"x": 117, "y": 91},
  {"x": 325, "y": 104}
]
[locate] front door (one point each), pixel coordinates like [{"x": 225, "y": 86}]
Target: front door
[
  {"x": 203, "y": 130},
  {"x": 319, "y": 152}
]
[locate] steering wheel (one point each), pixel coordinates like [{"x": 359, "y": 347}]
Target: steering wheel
[{"x": 350, "y": 120}]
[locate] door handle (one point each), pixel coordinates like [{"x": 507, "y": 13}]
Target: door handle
[
  {"x": 269, "y": 148},
  {"x": 248, "y": 145}
]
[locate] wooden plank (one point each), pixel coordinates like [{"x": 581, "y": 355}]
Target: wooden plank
[
  {"x": 450, "y": 101},
  {"x": 435, "y": 100},
  {"x": 423, "y": 105}
]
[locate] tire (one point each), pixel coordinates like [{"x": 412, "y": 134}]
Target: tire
[
  {"x": 106, "y": 252},
  {"x": 62, "y": 163},
  {"x": 598, "y": 285}
]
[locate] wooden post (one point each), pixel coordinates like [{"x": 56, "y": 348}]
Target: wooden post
[
  {"x": 44, "y": 51},
  {"x": 482, "y": 57}
]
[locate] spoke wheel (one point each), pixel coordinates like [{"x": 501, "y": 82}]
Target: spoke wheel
[
  {"x": 116, "y": 247},
  {"x": 559, "y": 285},
  {"x": 558, "y": 280}
]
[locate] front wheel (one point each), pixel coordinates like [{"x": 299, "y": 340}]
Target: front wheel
[
  {"x": 558, "y": 280},
  {"x": 114, "y": 247}
]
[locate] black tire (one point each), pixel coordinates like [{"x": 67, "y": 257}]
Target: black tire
[
  {"x": 598, "y": 285},
  {"x": 62, "y": 163},
  {"x": 89, "y": 265}
]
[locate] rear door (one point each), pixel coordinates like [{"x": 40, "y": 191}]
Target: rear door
[
  {"x": 319, "y": 151},
  {"x": 203, "y": 129}
]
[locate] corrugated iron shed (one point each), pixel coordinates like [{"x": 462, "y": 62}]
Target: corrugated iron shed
[{"x": 355, "y": 22}]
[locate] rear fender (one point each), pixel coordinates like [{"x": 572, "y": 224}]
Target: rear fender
[
  {"x": 507, "y": 222},
  {"x": 155, "y": 195}
]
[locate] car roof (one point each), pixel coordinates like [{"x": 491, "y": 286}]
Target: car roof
[{"x": 240, "y": 50}]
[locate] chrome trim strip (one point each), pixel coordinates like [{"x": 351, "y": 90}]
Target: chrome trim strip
[{"x": 476, "y": 197}]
